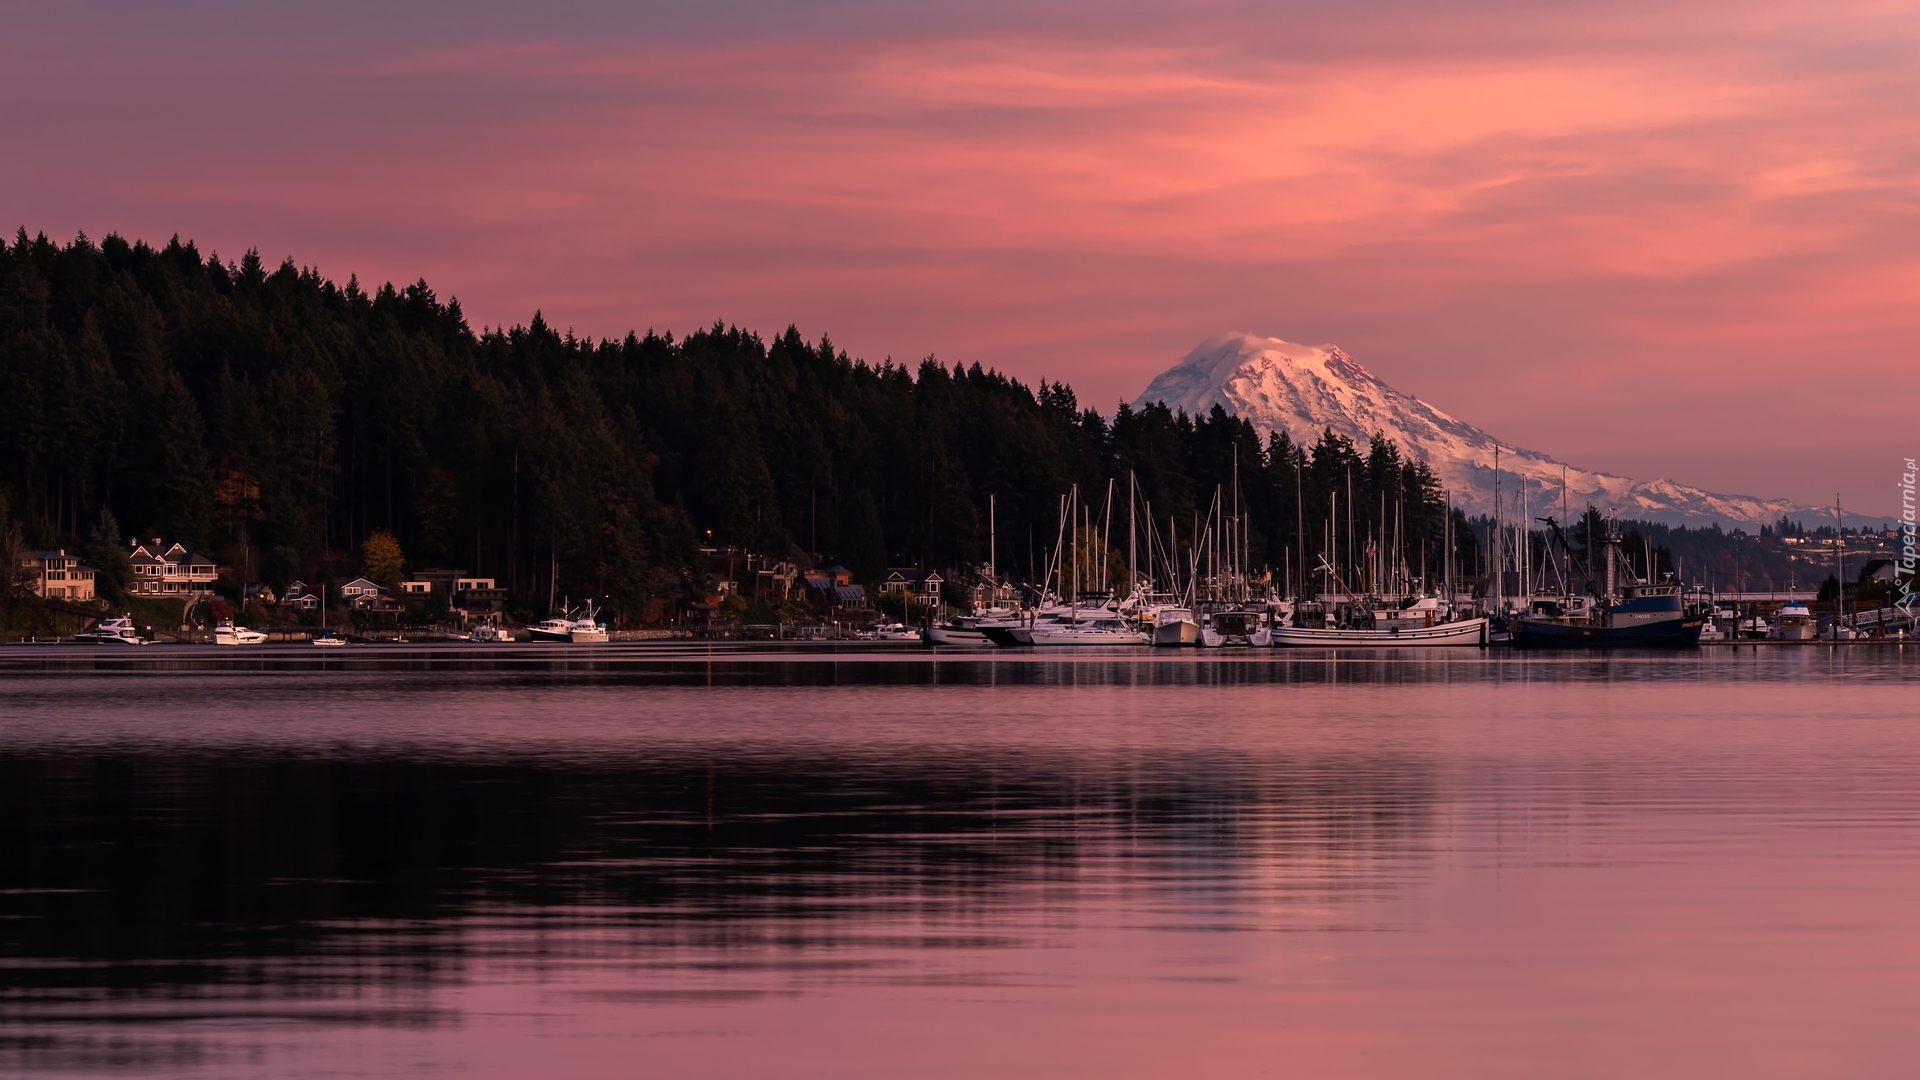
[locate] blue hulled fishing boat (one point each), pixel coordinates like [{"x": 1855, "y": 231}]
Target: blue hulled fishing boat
[{"x": 1637, "y": 614}]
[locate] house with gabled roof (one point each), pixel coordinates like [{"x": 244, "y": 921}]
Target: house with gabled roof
[{"x": 169, "y": 570}]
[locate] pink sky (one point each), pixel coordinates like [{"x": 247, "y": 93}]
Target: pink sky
[{"x": 1657, "y": 239}]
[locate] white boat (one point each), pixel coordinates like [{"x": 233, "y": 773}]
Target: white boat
[
  {"x": 1465, "y": 632},
  {"x": 225, "y": 633},
  {"x": 896, "y": 633},
  {"x": 1793, "y": 623},
  {"x": 328, "y": 640},
  {"x": 1108, "y": 631},
  {"x": 972, "y": 629},
  {"x": 1236, "y": 627},
  {"x": 455, "y": 635},
  {"x": 586, "y": 630},
  {"x": 491, "y": 632},
  {"x": 1174, "y": 627},
  {"x": 558, "y": 628},
  {"x": 118, "y": 631}
]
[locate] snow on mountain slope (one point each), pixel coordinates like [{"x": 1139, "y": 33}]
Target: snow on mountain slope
[{"x": 1304, "y": 389}]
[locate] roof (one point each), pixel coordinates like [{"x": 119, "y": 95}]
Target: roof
[{"x": 850, "y": 592}]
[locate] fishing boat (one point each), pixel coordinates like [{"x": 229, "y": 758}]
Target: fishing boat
[
  {"x": 1639, "y": 613},
  {"x": 558, "y": 628},
  {"x": 226, "y": 633},
  {"x": 117, "y": 631},
  {"x": 586, "y": 629},
  {"x": 1644, "y": 615}
]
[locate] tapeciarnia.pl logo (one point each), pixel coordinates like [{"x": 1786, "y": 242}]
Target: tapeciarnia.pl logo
[{"x": 1904, "y": 580}]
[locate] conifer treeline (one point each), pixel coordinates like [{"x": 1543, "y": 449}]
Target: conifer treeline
[{"x": 274, "y": 419}]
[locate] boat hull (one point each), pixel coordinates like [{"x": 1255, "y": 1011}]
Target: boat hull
[
  {"x": 1047, "y": 638},
  {"x": 1176, "y": 634},
  {"x": 1669, "y": 633},
  {"x": 1467, "y": 632}
]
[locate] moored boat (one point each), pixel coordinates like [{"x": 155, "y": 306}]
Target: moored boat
[
  {"x": 116, "y": 631},
  {"x": 1468, "y": 632},
  {"x": 226, "y": 633}
]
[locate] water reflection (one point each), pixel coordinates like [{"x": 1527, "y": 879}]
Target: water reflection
[{"x": 212, "y": 869}]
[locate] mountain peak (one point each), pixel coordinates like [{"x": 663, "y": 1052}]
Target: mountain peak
[{"x": 1305, "y": 389}]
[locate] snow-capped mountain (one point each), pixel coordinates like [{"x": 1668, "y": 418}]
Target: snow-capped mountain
[{"x": 1305, "y": 389}]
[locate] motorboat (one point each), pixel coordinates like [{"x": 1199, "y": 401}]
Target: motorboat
[
  {"x": 1793, "y": 623},
  {"x": 896, "y": 633},
  {"x": 117, "y": 631},
  {"x": 1236, "y": 626},
  {"x": 491, "y": 631},
  {"x": 226, "y": 633},
  {"x": 329, "y": 640},
  {"x": 972, "y": 629},
  {"x": 558, "y": 628},
  {"x": 1175, "y": 627}
]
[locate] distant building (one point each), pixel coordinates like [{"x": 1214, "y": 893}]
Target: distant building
[
  {"x": 923, "y": 587},
  {"x": 169, "y": 570},
  {"x": 478, "y": 595},
  {"x": 360, "y": 594},
  {"x": 300, "y": 596},
  {"x": 834, "y": 588},
  {"x": 60, "y": 576}
]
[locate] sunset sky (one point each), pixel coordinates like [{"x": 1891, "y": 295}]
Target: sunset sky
[{"x": 1661, "y": 239}]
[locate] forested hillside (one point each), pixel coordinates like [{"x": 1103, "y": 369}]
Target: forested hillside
[{"x": 273, "y": 419}]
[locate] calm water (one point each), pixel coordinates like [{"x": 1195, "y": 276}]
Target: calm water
[{"x": 674, "y": 865}]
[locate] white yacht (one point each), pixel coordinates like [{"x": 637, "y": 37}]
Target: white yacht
[
  {"x": 1793, "y": 623},
  {"x": 118, "y": 631},
  {"x": 226, "y": 633},
  {"x": 896, "y": 633},
  {"x": 972, "y": 629},
  {"x": 1092, "y": 629}
]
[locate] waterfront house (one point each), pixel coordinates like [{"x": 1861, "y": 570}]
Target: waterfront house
[
  {"x": 170, "y": 571},
  {"x": 57, "y": 575},
  {"x": 363, "y": 595},
  {"x": 834, "y": 588},
  {"x": 478, "y": 595},
  {"x": 301, "y": 597},
  {"x": 924, "y": 588}
]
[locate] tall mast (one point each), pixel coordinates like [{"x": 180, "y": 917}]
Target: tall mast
[
  {"x": 1496, "y": 593},
  {"x": 1839, "y": 571},
  {"x": 1132, "y": 499}
]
